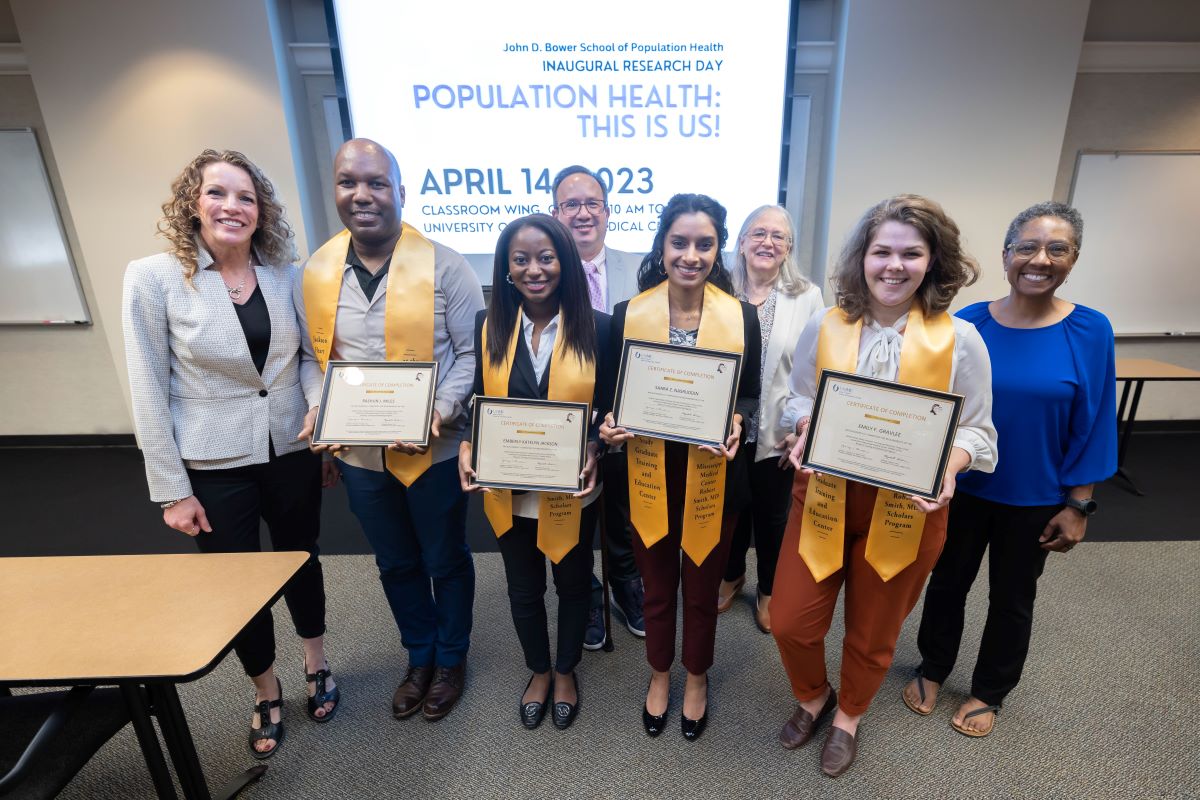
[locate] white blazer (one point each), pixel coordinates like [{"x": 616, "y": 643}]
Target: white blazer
[
  {"x": 198, "y": 401},
  {"x": 791, "y": 315}
]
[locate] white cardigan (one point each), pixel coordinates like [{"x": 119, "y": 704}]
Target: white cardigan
[{"x": 791, "y": 315}]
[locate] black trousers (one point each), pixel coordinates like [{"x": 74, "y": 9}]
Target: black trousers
[
  {"x": 525, "y": 568},
  {"x": 286, "y": 493},
  {"x": 1015, "y": 562},
  {"x": 765, "y": 516},
  {"x": 621, "y": 565}
]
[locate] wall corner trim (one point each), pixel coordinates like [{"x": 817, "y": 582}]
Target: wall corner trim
[
  {"x": 12, "y": 59},
  {"x": 1140, "y": 57}
]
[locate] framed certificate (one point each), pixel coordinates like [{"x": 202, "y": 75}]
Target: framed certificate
[
  {"x": 376, "y": 402},
  {"x": 885, "y": 434},
  {"x": 530, "y": 445},
  {"x": 684, "y": 394}
]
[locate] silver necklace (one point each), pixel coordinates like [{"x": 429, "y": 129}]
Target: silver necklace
[{"x": 236, "y": 293}]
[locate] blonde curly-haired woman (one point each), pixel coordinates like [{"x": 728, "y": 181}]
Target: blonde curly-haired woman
[{"x": 213, "y": 351}]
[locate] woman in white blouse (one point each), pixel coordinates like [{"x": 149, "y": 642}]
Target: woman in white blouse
[
  {"x": 766, "y": 276},
  {"x": 894, "y": 280}
]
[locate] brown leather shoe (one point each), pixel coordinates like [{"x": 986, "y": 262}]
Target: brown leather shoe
[
  {"x": 838, "y": 753},
  {"x": 762, "y": 612},
  {"x": 801, "y": 727},
  {"x": 725, "y": 603},
  {"x": 411, "y": 693},
  {"x": 444, "y": 693}
]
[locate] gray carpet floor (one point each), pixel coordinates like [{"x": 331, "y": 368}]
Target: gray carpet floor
[{"x": 1106, "y": 708}]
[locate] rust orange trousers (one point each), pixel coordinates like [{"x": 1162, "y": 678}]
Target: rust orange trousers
[{"x": 802, "y": 609}]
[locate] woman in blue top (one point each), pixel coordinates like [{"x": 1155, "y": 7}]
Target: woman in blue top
[{"x": 1054, "y": 407}]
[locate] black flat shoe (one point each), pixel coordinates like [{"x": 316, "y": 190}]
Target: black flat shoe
[
  {"x": 532, "y": 713},
  {"x": 322, "y": 695},
  {"x": 564, "y": 713},
  {"x": 655, "y": 723},
  {"x": 692, "y": 728},
  {"x": 267, "y": 729}
]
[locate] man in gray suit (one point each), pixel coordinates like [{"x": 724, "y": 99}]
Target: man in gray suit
[{"x": 581, "y": 203}]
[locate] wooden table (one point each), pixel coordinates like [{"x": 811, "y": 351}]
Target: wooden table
[
  {"x": 143, "y": 623},
  {"x": 1134, "y": 372}
]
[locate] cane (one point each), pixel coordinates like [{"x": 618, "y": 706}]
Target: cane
[{"x": 608, "y": 630}]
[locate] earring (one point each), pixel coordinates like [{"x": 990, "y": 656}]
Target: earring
[{"x": 509, "y": 280}]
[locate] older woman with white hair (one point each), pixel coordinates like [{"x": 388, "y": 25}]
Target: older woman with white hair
[{"x": 766, "y": 276}]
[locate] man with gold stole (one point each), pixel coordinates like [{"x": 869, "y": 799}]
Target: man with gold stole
[{"x": 378, "y": 291}]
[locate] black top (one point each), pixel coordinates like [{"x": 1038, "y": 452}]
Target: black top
[
  {"x": 256, "y": 325},
  {"x": 748, "y": 384},
  {"x": 366, "y": 280},
  {"x": 737, "y": 475},
  {"x": 523, "y": 383}
]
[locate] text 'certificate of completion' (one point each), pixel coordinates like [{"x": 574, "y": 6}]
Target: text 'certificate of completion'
[
  {"x": 376, "y": 402},
  {"x": 684, "y": 394},
  {"x": 882, "y": 433},
  {"x": 531, "y": 445}
]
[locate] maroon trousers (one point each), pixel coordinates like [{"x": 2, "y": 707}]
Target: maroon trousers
[{"x": 664, "y": 566}]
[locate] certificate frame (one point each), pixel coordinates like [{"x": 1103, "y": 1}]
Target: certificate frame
[
  {"x": 480, "y": 414},
  {"x": 330, "y": 400},
  {"x": 868, "y": 393},
  {"x": 629, "y": 352}
]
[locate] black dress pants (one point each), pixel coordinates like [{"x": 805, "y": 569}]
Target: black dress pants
[
  {"x": 765, "y": 516},
  {"x": 622, "y": 568},
  {"x": 525, "y": 568},
  {"x": 286, "y": 493},
  {"x": 1015, "y": 562}
]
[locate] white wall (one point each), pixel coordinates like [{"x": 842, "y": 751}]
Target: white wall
[
  {"x": 964, "y": 101},
  {"x": 128, "y": 99},
  {"x": 1128, "y": 111},
  {"x": 57, "y": 379}
]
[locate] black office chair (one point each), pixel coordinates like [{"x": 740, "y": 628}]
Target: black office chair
[{"x": 49, "y": 736}]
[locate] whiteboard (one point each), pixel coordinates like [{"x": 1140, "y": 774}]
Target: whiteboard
[
  {"x": 1140, "y": 262},
  {"x": 38, "y": 283}
]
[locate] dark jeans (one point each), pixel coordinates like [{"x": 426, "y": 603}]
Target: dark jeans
[
  {"x": 766, "y": 515},
  {"x": 1015, "y": 562},
  {"x": 418, "y": 534},
  {"x": 525, "y": 568},
  {"x": 286, "y": 493},
  {"x": 622, "y": 568}
]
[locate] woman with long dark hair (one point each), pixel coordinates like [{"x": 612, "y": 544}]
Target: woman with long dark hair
[
  {"x": 685, "y": 300},
  {"x": 537, "y": 339}
]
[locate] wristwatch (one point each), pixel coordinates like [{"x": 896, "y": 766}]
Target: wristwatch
[{"x": 1086, "y": 507}]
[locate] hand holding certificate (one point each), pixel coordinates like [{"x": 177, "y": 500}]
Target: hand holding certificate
[
  {"x": 378, "y": 403},
  {"x": 529, "y": 445},
  {"x": 683, "y": 394},
  {"x": 881, "y": 433}
]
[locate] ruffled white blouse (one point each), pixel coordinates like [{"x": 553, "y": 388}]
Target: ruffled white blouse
[{"x": 879, "y": 357}]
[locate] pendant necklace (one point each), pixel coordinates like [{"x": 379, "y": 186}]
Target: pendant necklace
[{"x": 236, "y": 293}]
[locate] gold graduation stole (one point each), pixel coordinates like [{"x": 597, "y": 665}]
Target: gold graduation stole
[
  {"x": 571, "y": 380},
  {"x": 721, "y": 328},
  {"x": 408, "y": 314},
  {"x": 926, "y": 357}
]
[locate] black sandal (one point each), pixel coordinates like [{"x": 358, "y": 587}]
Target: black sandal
[
  {"x": 321, "y": 697},
  {"x": 269, "y": 730}
]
